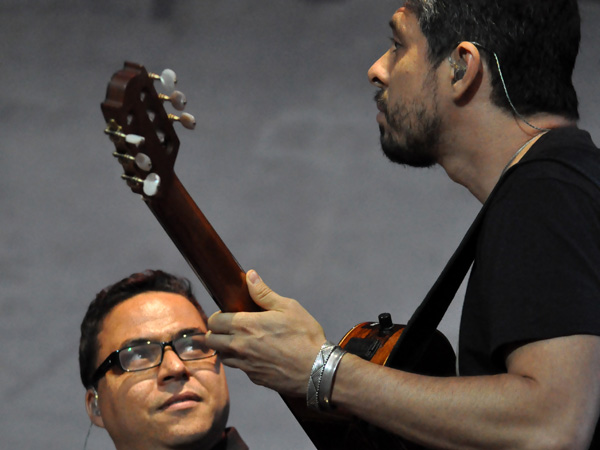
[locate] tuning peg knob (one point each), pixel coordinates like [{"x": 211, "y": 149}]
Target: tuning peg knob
[
  {"x": 113, "y": 131},
  {"x": 134, "y": 139},
  {"x": 141, "y": 160},
  {"x": 177, "y": 99},
  {"x": 167, "y": 78},
  {"x": 150, "y": 185},
  {"x": 187, "y": 120}
]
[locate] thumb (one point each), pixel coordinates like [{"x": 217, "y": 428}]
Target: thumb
[{"x": 262, "y": 294}]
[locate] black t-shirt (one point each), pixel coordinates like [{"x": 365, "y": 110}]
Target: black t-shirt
[{"x": 536, "y": 273}]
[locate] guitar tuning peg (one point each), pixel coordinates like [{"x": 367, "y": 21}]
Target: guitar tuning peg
[
  {"x": 113, "y": 131},
  {"x": 177, "y": 99},
  {"x": 150, "y": 185},
  {"x": 187, "y": 120},
  {"x": 134, "y": 139},
  {"x": 167, "y": 78},
  {"x": 141, "y": 160}
]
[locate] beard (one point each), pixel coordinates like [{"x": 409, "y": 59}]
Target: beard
[{"x": 412, "y": 135}]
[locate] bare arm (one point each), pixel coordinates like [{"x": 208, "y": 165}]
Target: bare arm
[{"x": 550, "y": 397}]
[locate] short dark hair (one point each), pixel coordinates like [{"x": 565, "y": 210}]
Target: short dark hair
[
  {"x": 537, "y": 42},
  {"x": 111, "y": 296}
]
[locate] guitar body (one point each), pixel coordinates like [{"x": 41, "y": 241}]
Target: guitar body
[
  {"x": 374, "y": 342},
  {"x": 146, "y": 146}
]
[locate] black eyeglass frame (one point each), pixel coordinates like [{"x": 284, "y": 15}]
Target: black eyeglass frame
[{"x": 113, "y": 359}]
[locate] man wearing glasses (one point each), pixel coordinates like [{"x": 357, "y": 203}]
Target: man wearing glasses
[{"x": 151, "y": 381}]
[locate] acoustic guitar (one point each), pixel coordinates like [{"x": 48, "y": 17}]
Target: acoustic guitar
[{"x": 146, "y": 145}]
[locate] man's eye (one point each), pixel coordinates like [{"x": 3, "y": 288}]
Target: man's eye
[
  {"x": 138, "y": 357},
  {"x": 395, "y": 44},
  {"x": 140, "y": 353},
  {"x": 187, "y": 347},
  {"x": 193, "y": 347}
]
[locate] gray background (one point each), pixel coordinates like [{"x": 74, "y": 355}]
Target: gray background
[{"x": 285, "y": 162}]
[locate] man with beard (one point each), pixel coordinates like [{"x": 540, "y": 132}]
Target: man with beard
[
  {"x": 482, "y": 88},
  {"x": 150, "y": 379}
]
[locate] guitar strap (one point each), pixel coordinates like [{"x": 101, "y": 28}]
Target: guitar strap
[{"x": 422, "y": 326}]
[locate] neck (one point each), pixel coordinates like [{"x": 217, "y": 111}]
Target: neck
[{"x": 478, "y": 158}]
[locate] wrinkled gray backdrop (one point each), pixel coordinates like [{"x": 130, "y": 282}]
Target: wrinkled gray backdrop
[{"x": 285, "y": 162}]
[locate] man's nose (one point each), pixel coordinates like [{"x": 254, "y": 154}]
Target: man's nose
[
  {"x": 378, "y": 74},
  {"x": 172, "y": 367}
]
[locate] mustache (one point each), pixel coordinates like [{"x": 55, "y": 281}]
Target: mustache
[{"x": 381, "y": 103}]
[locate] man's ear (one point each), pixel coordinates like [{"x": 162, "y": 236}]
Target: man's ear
[
  {"x": 466, "y": 70},
  {"x": 92, "y": 407}
]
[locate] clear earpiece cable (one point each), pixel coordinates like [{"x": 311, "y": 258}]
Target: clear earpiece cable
[
  {"x": 506, "y": 90},
  {"x": 87, "y": 436},
  {"x": 510, "y": 101}
]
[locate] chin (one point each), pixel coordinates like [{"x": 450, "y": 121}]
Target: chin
[
  {"x": 409, "y": 151},
  {"x": 195, "y": 441},
  {"x": 199, "y": 425},
  {"x": 406, "y": 155},
  {"x": 192, "y": 437},
  {"x": 203, "y": 428}
]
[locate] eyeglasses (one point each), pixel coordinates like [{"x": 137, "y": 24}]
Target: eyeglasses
[{"x": 148, "y": 354}]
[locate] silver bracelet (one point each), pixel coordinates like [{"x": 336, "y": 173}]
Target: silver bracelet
[
  {"x": 326, "y": 387},
  {"x": 316, "y": 375}
]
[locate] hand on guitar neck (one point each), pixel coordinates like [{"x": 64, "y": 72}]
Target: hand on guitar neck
[{"x": 291, "y": 338}]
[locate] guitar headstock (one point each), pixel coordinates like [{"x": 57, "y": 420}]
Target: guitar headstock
[{"x": 145, "y": 141}]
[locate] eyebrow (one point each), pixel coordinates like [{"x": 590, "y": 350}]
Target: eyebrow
[
  {"x": 396, "y": 29},
  {"x": 134, "y": 342},
  {"x": 144, "y": 340},
  {"x": 193, "y": 330}
]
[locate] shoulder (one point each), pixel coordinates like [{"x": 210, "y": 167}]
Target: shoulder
[
  {"x": 563, "y": 166},
  {"x": 569, "y": 147}
]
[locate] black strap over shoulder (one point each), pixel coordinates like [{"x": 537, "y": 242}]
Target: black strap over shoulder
[{"x": 422, "y": 326}]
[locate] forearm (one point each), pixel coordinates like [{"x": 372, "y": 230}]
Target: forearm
[
  {"x": 502, "y": 411},
  {"x": 550, "y": 397}
]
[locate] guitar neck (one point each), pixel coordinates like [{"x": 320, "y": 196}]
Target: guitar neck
[
  {"x": 145, "y": 140},
  {"x": 225, "y": 281},
  {"x": 202, "y": 247}
]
